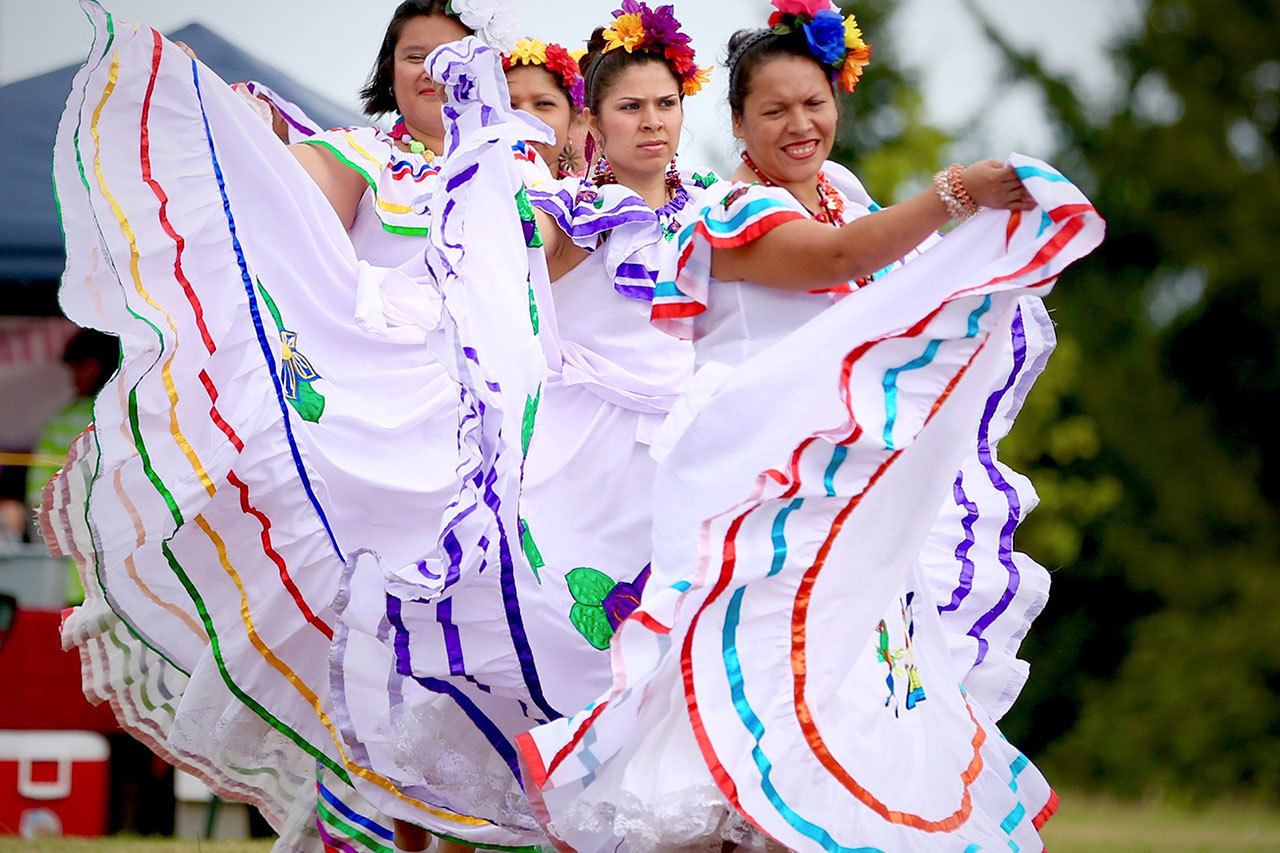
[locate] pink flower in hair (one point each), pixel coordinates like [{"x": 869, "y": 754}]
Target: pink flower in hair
[{"x": 807, "y": 8}]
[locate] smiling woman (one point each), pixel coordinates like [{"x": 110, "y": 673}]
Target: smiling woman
[
  {"x": 361, "y": 171},
  {"x": 815, "y": 663}
]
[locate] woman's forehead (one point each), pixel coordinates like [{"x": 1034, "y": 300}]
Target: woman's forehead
[{"x": 787, "y": 78}]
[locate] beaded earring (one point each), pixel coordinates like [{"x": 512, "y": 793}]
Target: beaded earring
[
  {"x": 674, "y": 181},
  {"x": 604, "y": 172}
]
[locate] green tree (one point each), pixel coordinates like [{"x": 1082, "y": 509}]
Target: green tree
[
  {"x": 884, "y": 136},
  {"x": 1157, "y": 664}
]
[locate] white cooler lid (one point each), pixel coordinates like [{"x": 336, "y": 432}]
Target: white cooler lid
[{"x": 53, "y": 746}]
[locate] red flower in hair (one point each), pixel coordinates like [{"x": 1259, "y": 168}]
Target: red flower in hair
[
  {"x": 562, "y": 64},
  {"x": 682, "y": 58}
]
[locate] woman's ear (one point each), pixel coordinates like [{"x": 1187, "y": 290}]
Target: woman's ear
[{"x": 737, "y": 127}]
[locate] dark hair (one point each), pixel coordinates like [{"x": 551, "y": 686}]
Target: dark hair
[
  {"x": 378, "y": 95},
  {"x": 761, "y": 46},
  {"x": 600, "y": 69},
  {"x": 89, "y": 345}
]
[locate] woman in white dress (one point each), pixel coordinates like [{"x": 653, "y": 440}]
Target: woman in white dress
[
  {"x": 518, "y": 631},
  {"x": 788, "y": 680}
]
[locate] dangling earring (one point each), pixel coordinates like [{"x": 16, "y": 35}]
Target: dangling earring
[
  {"x": 674, "y": 181},
  {"x": 604, "y": 172},
  {"x": 568, "y": 161}
]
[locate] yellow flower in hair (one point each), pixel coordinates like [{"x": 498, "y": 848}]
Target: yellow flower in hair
[
  {"x": 853, "y": 34},
  {"x": 694, "y": 82},
  {"x": 577, "y": 54},
  {"x": 529, "y": 52},
  {"x": 627, "y": 33}
]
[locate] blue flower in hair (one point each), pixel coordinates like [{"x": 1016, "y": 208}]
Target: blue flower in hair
[{"x": 825, "y": 34}]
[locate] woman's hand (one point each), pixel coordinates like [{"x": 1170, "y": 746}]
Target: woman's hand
[{"x": 996, "y": 185}]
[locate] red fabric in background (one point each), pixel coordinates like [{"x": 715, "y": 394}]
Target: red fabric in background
[{"x": 42, "y": 682}]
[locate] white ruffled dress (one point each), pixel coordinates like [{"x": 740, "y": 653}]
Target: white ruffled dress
[
  {"x": 509, "y": 626},
  {"x": 278, "y": 408},
  {"x": 830, "y": 629}
]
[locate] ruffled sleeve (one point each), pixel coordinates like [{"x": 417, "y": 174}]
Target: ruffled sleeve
[
  {"x": 611, "y": 219},
  {"x": 301, "y": 126},
  {"x": 401, "y": 182},
  {"x": 733, "y": 215}
]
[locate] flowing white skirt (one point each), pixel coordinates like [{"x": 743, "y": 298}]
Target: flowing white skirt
[
  {"x": 276, "y": 410},
  {"x": 829, "y": 632}
]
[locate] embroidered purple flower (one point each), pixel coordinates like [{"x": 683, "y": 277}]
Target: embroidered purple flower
[
  {"x": 825, "y": 34},
  {"x": 624, "y": 598}
]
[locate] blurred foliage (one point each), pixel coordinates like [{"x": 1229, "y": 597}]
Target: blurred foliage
[
  {"x": 883, "y": 135},
  {"x": 1155, "y": 666}
]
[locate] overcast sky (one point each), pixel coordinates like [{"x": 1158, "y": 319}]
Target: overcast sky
[{"x": 330, "y": 44}]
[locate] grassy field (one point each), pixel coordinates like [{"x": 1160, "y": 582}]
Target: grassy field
[{"x": 1082, "y": 825}]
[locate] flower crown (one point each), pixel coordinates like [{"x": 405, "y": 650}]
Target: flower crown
[
  {"x": 493, "y": 21},
  {"x": 637, "y": 27},
  {"x": 560, "y": 62},
  {"x": 835, "y": 40}
]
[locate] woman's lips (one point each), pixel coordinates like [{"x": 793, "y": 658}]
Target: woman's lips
[
  {"x": 801, "y": 150},
  {"x": 652, "y": 146}
]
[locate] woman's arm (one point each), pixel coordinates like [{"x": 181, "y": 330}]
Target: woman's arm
[
  {"x": 809, "y": 255},
  {"x": 342, "y": 186},
  {"x": 563, "y": 255}
]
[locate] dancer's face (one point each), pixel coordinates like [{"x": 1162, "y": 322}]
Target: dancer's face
[
  {"x": 788, "y": 120},
  {"x": 641, "y": 115},
  {"x": 535, "y": 90},
  {"x": 416, "y": 95}
]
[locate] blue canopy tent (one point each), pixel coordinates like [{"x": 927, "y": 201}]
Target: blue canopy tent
[{"x": 31, "y": 248}]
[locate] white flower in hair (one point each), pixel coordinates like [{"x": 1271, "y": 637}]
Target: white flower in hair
[{"x": 493, "y": 21}]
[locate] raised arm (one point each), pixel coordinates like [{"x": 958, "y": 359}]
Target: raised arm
[
  {"x": 563, "y": 255},
  {"x": 809, "y": 255},
  {"x": 342, "y": 186}
]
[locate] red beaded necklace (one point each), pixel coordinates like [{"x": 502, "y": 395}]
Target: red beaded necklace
[
  {"x": 831, "y": 211},
  {"x": 830, "y": 202}
]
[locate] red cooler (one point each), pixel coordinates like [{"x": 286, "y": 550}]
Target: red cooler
[{"x": 53, "y": 783}]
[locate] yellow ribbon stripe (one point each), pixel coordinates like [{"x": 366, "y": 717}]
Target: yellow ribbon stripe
[
  {"x": 378, "y": 167},
  {"x": 307, "y": 693},
  {"x": 167, "y": 370}
]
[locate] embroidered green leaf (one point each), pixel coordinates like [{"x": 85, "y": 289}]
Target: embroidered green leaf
[
  {"x": 530, "y": 548},
  {"x": 271, "y": 307},
  {"x": 533, "y": 311},
  {"x": 309, "y": 403},
  {"x": 589, "y": 586},
  {"x": 532, "y": 237},
  {"x": 592, "y": 624},
  {"x": 530, "y": 417},
  {"x": 708, "y": 180}
]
